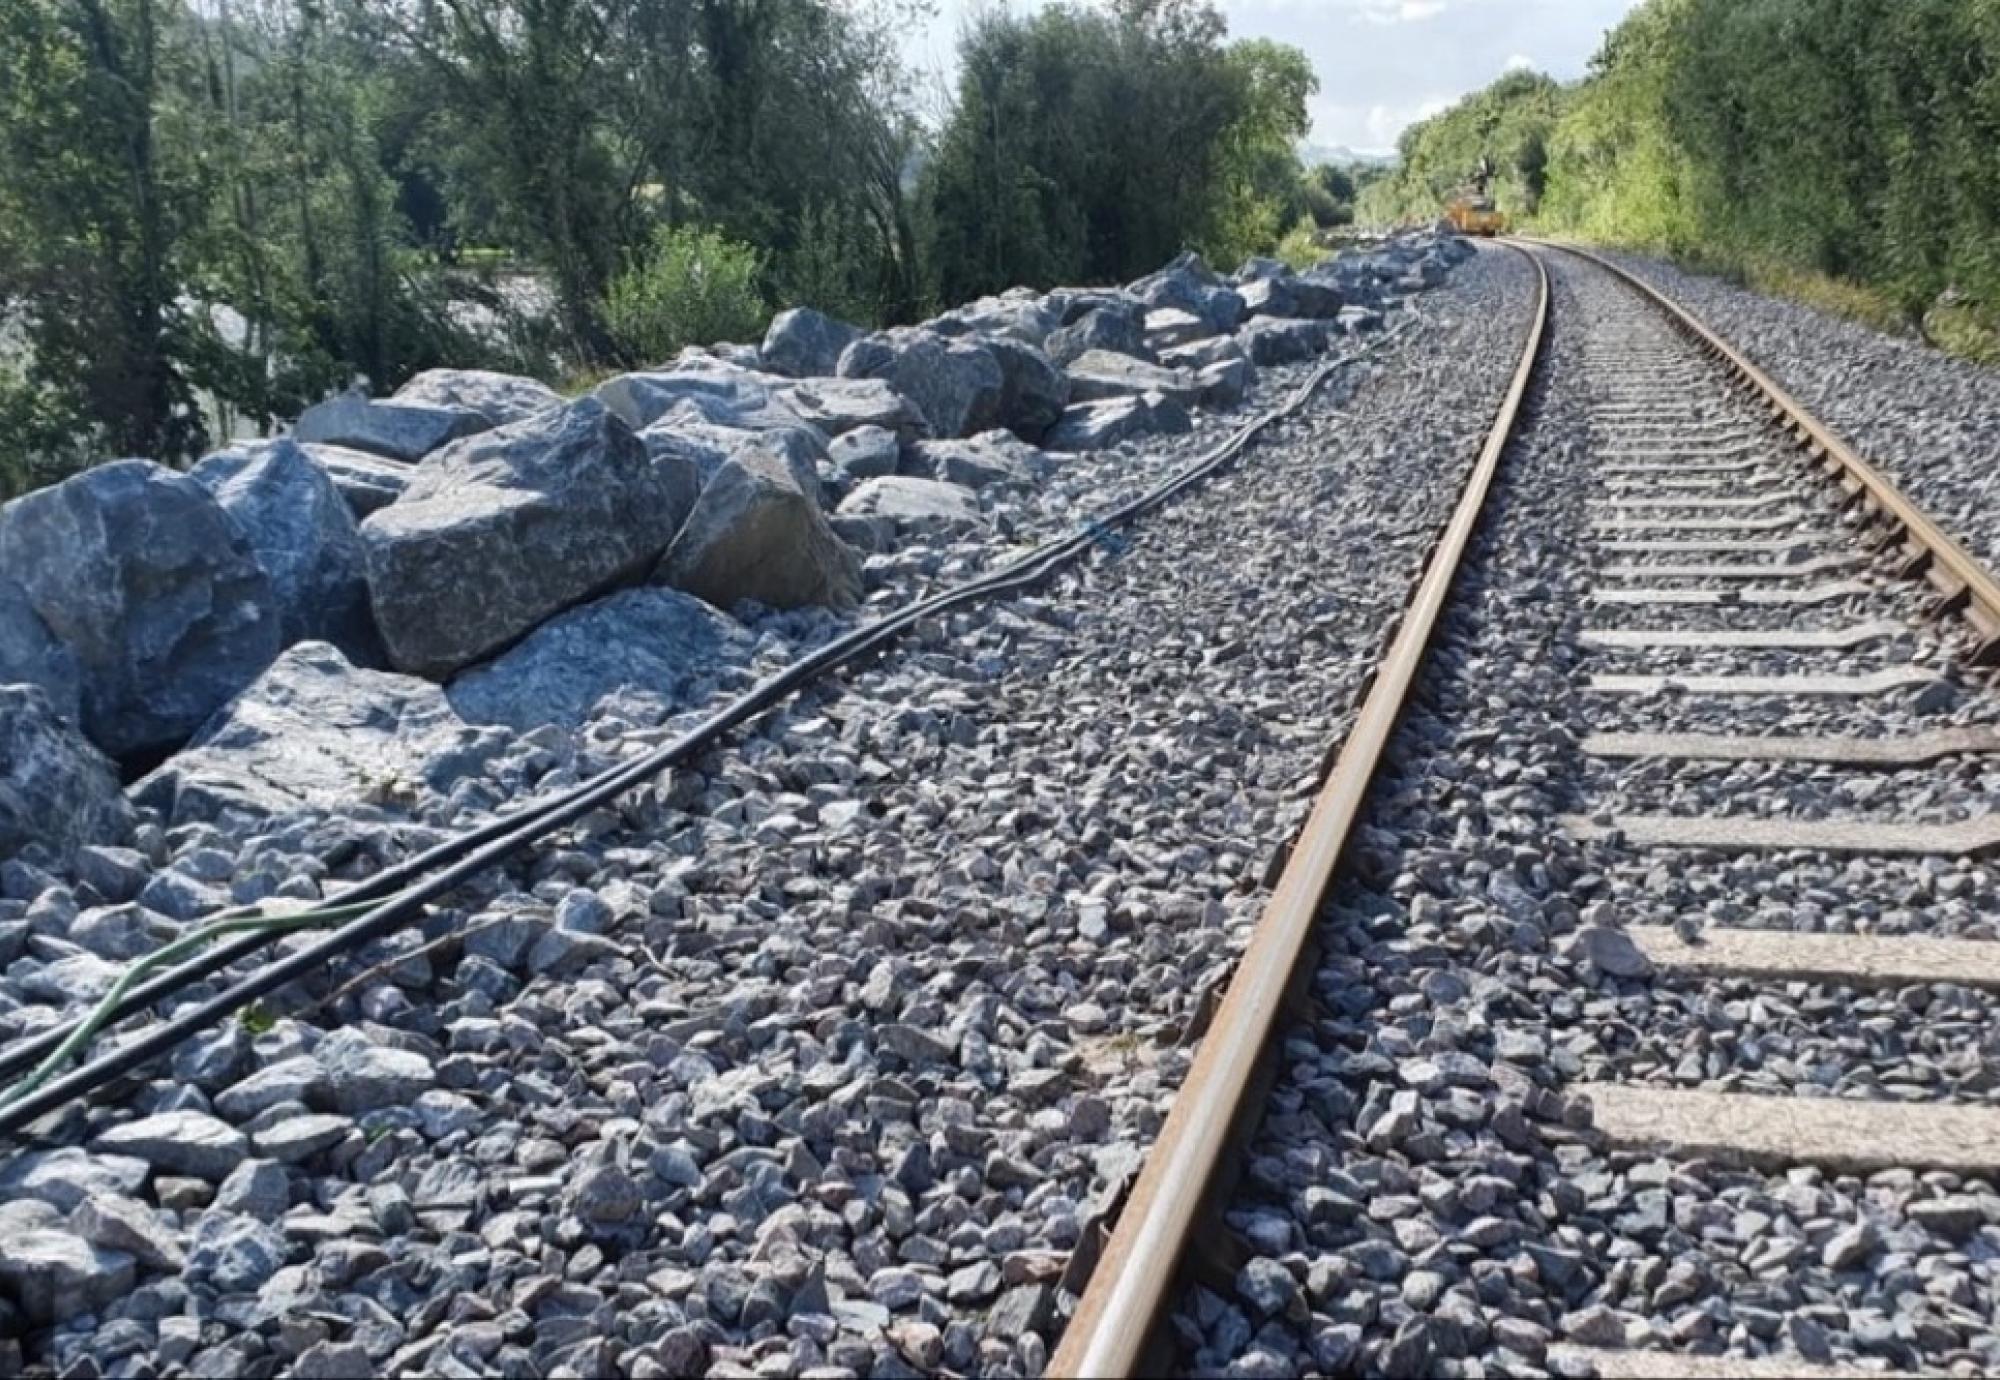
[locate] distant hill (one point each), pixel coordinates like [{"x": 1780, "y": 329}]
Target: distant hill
[{"x": 1313, "y": 155}]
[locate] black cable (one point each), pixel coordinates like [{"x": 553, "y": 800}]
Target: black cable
[{"x": 473, "y": 852}]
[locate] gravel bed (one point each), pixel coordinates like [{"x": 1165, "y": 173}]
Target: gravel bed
[
  {"x": 1930, "y": 421},
  {"x": 1424, "y": 1197},
  {"x": 819, "y": 1057}
]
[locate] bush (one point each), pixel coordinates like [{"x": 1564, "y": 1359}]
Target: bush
[
  {"x": 1301, "y": 248},
  {"x": 690, "y": 287}
]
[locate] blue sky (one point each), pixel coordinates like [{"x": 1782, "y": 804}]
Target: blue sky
[{"x": 1382, "y": 63}]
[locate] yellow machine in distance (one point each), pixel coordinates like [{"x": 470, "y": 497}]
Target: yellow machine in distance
[
  {"x": 1472, "y": 213},
  {"x": 1471, "y": 210}
]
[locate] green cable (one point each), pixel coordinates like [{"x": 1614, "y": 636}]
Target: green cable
[{"x": 228, "y": 923}]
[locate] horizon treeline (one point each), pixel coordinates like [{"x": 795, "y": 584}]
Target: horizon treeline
[
  {"x": 215, "y": 212},
  {"x": 1846, "y": 151}
]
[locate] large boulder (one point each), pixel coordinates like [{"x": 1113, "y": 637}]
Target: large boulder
[
  {"x": 956, "y": 384},
  {"x": 868, "y": 452},
  {"x": 32, "y": 655},
  {"x": 837, "y": 406},
  {"x": 55, "y": 788},
  {"x": 303, "y": 534},
  {"x": 366, "y": 481},
  {"x": 152, "y": 590},
  {"x": 1019, "y": 314},
  {"x": 500, "y": 531},
  {"x": 994, "y": 457},
  {"x": 316, "y": 733},
  {"x": 1287, "y": 295},
  {"x": 1033, "y": 391},
  {"x": 925, "y": 507},
  {"x": 1225, "y": 382},
  {"x": 716, "y": 391},
  {"x": 1168, "y": 327},
  {"x": 655, "y": 648},
  {"x": 499, "y": 398},
  {"x": 758, "y": 533},
  {"x": 1102, "y": 374},
  {"x": 1202, "y": 353},
  {"x": 1097, "y": 425},
  {"x": 802, "y": 343},
  {"x": 1273, "y": 340},
  {"x": 406, "y": 431},
  {"x": 1189, "y": 285},
  {"x": 1118, "y": 327}
]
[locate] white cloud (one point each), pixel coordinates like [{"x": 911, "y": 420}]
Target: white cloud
[
  {"x": 1387, "y": 12},
  {"x": 1520, "y": 62}
]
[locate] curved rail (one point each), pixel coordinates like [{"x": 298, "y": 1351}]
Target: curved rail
[
  {"x": 1115, "y": 1317},
  {"x": 1968, "y": 586}
]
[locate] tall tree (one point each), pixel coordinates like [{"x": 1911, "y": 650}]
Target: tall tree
[{"x": 95, "y": 203}]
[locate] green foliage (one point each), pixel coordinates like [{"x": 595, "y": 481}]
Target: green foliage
[
  {"x": 1846, "y": 151},
  {"x": 1093, "y": 144},
  {"x": 1301, "y": 247},
  {"x": 690, "y": 287},
  {"x": 1508, "y": 126},
  {"x": 95, "y": 197}
]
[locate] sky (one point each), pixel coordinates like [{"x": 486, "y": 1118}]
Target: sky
[{"x": 1383, "y": 64}]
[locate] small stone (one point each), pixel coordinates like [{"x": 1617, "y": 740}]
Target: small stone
[
  {"x": 128, "y": 1226},
  {"x": 255, "y": 1188},
  {"x": 184, "y": 1142},
  {"x": 1611, "y": 951},
  {"x": 1270, "y": 1288},
  {"x": 1850, "y": 1246}
]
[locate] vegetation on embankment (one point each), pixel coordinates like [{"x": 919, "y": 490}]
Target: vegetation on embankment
[
  {"x": 245, "y": 205},
  {"x": 1845, "y": 152}
]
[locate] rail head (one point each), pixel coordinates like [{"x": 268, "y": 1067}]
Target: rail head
[
  {"x": 1966, "y": 582},
  {"x": 1122, "y": 1302}
]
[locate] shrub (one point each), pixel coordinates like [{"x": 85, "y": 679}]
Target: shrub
[{"x": 689, "y": 287}]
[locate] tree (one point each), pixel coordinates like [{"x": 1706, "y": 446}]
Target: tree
[{"x": 95, "y": 204}]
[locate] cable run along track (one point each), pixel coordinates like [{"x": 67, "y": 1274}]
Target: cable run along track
[{"x": 1762, "y": 601}]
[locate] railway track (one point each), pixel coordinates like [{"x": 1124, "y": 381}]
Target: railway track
[{"x": 1625, "y": 1006}]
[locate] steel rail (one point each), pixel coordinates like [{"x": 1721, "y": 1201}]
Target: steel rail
[
  {"x": 1115, "y": 1317},
  {"x": 1967, "y": 585}
]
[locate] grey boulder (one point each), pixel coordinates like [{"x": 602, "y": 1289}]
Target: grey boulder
[
  {"x": 1271, "y": 340},
  {"x": 1033, "y": 390},
  {"x": 32, "y": 655},
  {"x": 926, "y": 507},
  {"x": 502, "y": 530},
  {"x": 1202, "y": 353},
  {"x": 1290, "y": 296},
  {"x": 1226, "y": 382},
  {"x": 837, "y": 406},
  {"x": 1167, "y": 327},
  {"x": 1118, "y": 327},
  {"x": 1102, "y": 374},
  {"x": 867, "y": 452},
  {"x": 802, "y": 343},
  {"x": 406, "y": 431},
  {"x": 658, "y": 649},
  {"x": 303, "y": 534},
  {"x": 995, "y": 457},
  {"x": 955, "y": 383},
  {"x": 757, "y": 533},
  {"x": 315, "y": 733},
  {"x": 152, "y": 590},
  {"x": 366, "y": 481},
  {"x": 56, "y": 789},
  {"x": 1097, "y": 425},
  {"x": 499, "y": 398}
]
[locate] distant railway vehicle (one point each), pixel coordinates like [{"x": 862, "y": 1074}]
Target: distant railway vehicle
[{"x": 1473, "y": 213}]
